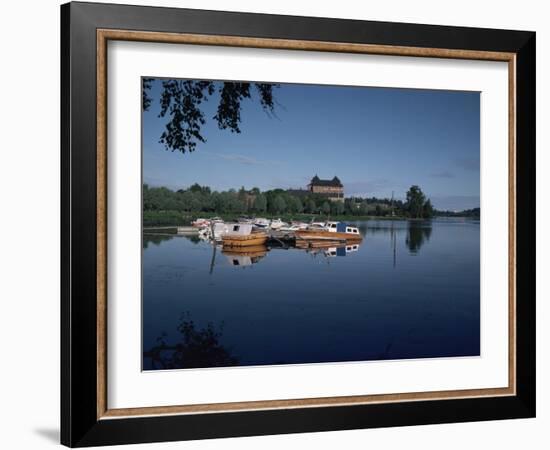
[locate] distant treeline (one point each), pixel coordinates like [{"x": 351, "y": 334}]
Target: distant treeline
[
  {"x": 474, "y": 212},
  {"x": 197, "y": 199}
]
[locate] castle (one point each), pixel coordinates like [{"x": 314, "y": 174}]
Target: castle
[{"x": 331, "y": 189}]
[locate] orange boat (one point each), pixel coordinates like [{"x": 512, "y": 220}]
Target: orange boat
[{"x": 244, "y": 240}]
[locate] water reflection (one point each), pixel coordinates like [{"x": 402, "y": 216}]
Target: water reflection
[
  {"x": 194, "y": 238},
  {"x": 415, "y": 234},
  {"x": 155, "y": 239},
  {"x": 197, "y": 347},
  {"x": 409, "y": 290},
  {"x": 245, "y": 256},
  {"x": 329, "y": 250},
  {"x": 418, "y": 233}
]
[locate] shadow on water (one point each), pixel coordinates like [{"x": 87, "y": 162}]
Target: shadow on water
[
  {"x": 197, "y": 347},
  {"x": 418, "y": 233}
]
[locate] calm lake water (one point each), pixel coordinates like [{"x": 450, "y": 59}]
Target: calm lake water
[{"x": 410, "y": 290}]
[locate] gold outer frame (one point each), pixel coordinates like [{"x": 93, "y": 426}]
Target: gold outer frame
[{"x": 104, "y": 35}]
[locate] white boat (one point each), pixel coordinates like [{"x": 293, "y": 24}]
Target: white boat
[
  {"x": 219, "y": 229},
  {"x": 300, "y": 225},
  {"x": 243, "y": 235},
  {"x": 317, "y": 226},
  {"x": 289, "y": 228},
  {"x": 260, "y": 222},
  {"x": 294, "y": 226},
  {"x": 277, "y": 224},
  {"x": 201, "y": 223}
]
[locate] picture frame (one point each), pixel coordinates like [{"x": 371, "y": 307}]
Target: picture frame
[{"x": 86, "y": 29}]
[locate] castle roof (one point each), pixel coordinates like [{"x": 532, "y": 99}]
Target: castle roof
[{"x": 316, "y": 181}]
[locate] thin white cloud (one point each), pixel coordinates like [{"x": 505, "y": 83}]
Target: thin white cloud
[
  {"x": 369, "y": 188},
  {"x": 443, "y": 174},
  {"x": 242, "y": 159},
  {"x": 470, "y": 164}
]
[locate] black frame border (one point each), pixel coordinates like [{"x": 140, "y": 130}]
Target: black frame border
[{"x": 79, "y": 423}]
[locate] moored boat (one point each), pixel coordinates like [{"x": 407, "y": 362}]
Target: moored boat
[
  {"x": 277, "y": 224},
  {"x": 243, "y": 235},
  {"x": 253, "y": 239},
  {"x": 200, "y": 223},
  {"x": 260, "y": 222},
  {"x": 332, "y": 231},
  {"x": 289, "y": 228},
  {"x": 203, "y": 223}
]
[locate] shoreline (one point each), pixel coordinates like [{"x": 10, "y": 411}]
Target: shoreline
[{"x": 176, "y": 218}]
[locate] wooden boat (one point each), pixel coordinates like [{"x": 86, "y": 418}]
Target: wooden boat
[
  {"x": 333, "y": 231},
  {"x": 244, "y": 240},
  {"x": 243, "y": 235}
]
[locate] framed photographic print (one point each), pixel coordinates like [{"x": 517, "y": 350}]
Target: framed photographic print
[{"x": 277, "y": 224}]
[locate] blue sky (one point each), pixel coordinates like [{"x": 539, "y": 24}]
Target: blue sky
[{"x": 376, "y": 140}]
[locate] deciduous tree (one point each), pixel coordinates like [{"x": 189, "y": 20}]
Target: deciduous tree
[{"x": 181, "y": 103}]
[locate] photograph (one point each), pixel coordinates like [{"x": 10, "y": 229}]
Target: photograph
[
  {"x": 284, "y": 222},
  {"x": 292, "y": 223}
]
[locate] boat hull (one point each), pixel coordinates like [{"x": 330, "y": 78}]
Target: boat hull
[
  {"x": 248, "y": 240},
  {"x": 321, "y": 235}
]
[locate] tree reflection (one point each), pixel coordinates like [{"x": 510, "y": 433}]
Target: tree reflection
[
  {"x": 155, "y": 239},
  {"x": 198, "y": 347},
  {"x": 418, "y": 233}
]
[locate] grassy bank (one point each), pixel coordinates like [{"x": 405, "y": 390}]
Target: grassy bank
[{"x": 173, "y": 218}]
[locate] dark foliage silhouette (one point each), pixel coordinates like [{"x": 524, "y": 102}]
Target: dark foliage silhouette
[
  {"x": 181, "y": 101},
  {"x": 197, "y": 347}
]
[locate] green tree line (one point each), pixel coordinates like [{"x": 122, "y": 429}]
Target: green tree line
[{"x": 197, "y": 198}]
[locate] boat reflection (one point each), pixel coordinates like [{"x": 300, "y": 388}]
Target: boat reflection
[
  {"x": 342, "y": 250},
  {"x": 244, "y": 256},
  {"x": 247, "y": 256},
  {"x": 328, "y": 249}
]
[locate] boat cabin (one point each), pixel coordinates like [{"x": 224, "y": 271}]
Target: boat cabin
[
  {"x": 339, "y": 227},
  {"x": 239, "y": 228},
  {"x": 221, "y": 229}
]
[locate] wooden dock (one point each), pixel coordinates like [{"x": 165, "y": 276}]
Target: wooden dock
[
  {"x": 172, "y": 230},
  {"x": 281, "y": 238}
]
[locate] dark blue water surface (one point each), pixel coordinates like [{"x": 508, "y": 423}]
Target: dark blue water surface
[{"x": 410, "y": 290}]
